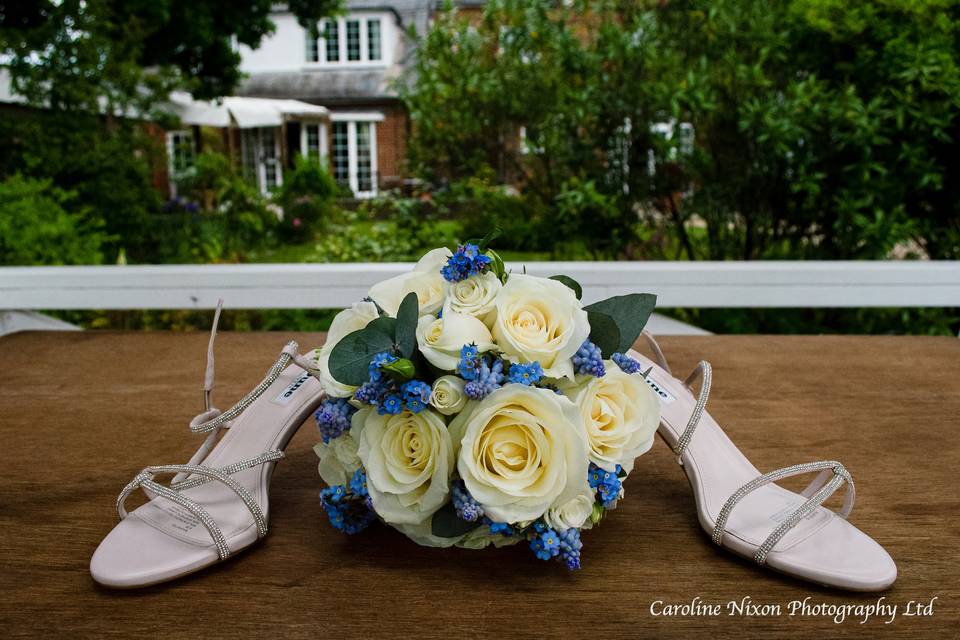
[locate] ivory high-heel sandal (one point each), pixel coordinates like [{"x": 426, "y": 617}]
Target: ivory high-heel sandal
[
  {"x": 218, "y": 503},
  {"x": 746, "y": 513}
]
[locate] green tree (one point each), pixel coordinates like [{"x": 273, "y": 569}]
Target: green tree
[
  {"x": 120, "y": 55},
  {"x": 734, "y": 128}
]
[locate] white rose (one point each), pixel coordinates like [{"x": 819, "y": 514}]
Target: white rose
[
  {"x": 425, "y": 280},
  {"x": 409, "y": 459},
  {"x": 447, "y": 395},
  {"x": 620, "y": 413},
  {"x": 440, "y": 339},
  {"x": 346, "y": 322},
  {"x": 475, "y": 296},
  {"x": 338, "y": 459},
  {"x": 540, "y": 320},
  {"x": 522, "y": 451},
  {"x": 573, "y": 513}
]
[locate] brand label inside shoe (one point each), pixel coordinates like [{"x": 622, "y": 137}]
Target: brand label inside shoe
[
  {"x": 665, "y": 396},
  {"x": 292, "y": 388}
]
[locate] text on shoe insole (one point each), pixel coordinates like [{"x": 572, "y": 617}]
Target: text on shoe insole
[
  {"x": 287, "y": 394},
  {"x": 665, "y": 396}
]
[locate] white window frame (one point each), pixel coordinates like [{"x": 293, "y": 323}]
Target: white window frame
[
  {"x": 353, "y": 178},
  {"x": 173, "y": 176},
  {"x": 260, "y": 168},
  {"x": 364, "y": 61},
  {"x": 321, "y": 141}
]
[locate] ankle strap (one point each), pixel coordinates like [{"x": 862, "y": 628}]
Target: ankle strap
[{"x": 657, "y": 351}]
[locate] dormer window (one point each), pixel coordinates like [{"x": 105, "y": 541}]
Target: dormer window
[{"x": 356, "y": 39}]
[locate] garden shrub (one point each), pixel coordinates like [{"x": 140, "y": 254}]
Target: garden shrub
[
  {"x": 306, "y": 198},
  {"x": 40, "y": 224}
]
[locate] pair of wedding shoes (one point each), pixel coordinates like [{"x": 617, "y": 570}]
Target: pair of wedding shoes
[{"x": 218, "y": 503}]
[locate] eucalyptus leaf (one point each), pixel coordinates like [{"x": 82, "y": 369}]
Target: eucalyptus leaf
[
  {"x": 629, "y": 312},
  {"x": 385, "y": 325},
  {"x": 604, "y": 332},
  {"x": 571, "y": 283},
  {"x": 447, "y": 524},
  {"x": 406, "y": 329},
  {"x": 350, "y": 359}
]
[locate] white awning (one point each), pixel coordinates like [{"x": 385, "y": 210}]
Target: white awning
[{"x": 244, "y": 113}]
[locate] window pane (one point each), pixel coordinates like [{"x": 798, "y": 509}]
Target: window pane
[
  {"x": 373, "y": 39},
  {"x": 269, "y": 150},
  {"x": 313, "y": 54},
  {"x": 364, "y": 164},
  {"x": 313, "y": 141},
  {"x": 341, "y": 153},
  {"x": 332, "y": 39},
  {"x": 248, "y": 146},
  {"x": 353, "y": 40},
  {"x": 181, "y": 143}
]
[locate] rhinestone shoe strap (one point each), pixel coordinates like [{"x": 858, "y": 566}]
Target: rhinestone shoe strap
[
  {"x": 145, "y": 481},
  {"x": 201, "y": 475},
  {"x": 705, "y": 371},
  {"x": 832, "y": 475},
  {"x": 197, "y": 425}
]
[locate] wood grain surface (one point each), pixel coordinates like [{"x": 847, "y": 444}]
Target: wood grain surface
[{"x": 81, "y": 413}]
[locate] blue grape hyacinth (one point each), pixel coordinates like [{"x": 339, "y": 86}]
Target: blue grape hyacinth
[
  {"x": 626, "y": 363},
  {"x": 466, "y": 507},
  {"x": 570, "y": 546},
  {"x": 333, "y": 418},
  {"x": 588, "y": 360},
  {"x": 489, "y": 379}
]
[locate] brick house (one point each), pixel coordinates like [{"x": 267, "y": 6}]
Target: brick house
[{"x": 349, "y": 65}]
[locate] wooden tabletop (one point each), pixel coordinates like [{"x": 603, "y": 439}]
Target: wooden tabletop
[{"x": 81, "y": 413}]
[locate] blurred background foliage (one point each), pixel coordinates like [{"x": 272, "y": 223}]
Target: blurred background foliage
[{"x": 585, "y": 130}]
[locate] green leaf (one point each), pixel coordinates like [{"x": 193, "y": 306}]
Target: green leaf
[
  {"x": 604, "y": 332},
  {"x": 629, "y": 312},
  {"x": 447, "y": 524},
  {"x": 597, "y": 514},
  {"x": 484, "y": 242},
  {"x": 406, "y": 330},
  {"x": 385, "y": 325},
  {"x": 400, "y": 369},
  {"x": 571, "y": 283},
  {"x": 350, "y": 359},
  {"x": 497, "y": 265}
]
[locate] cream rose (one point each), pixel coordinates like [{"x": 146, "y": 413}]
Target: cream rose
[
  {"x": 409, "y": 459},
  {"x": 573, "y": 513},
  {"x": 425, "y": 280},
  {"x": 522, "y": 451},
  {"x": 440, "y": 339},
  {"x": 346, "y": 322},
  {"x": 447, "y": 395},
  {"x": 620, "y": 414},
  {"x": 338, "y": 459},
  {"x": 540, "y": 320},
  {"x": 476, "y": 296}
]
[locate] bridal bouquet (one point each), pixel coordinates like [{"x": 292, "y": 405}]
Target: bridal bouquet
[{"x": 470, "y": 406}]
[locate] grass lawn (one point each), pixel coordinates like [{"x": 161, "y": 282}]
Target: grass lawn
[{"x": 310, "y": 251}]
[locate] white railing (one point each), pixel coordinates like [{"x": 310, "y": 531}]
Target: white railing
[{"x": 678, "y": 284}]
